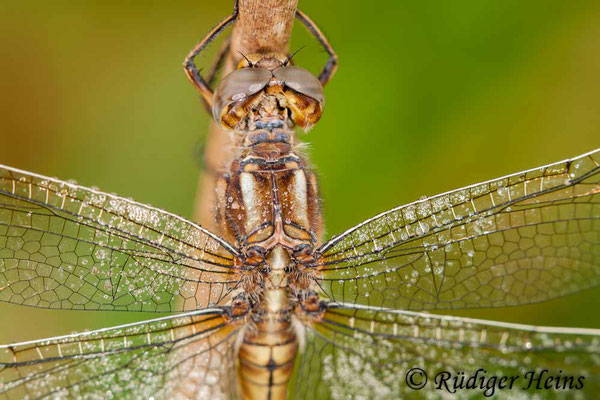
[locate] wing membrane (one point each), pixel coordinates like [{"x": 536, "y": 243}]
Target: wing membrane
[
  {"x": 363, "y": 352},
  {"x": 524, "y": 238},
  {"x": 187, "y": 355},
  {"x": 69, "y": 247}
]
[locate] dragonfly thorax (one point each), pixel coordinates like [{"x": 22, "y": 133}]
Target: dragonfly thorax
[{"x": 269, "y": 198}]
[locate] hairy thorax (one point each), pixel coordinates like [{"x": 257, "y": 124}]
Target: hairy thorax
[{"x": 268, "y": 196}]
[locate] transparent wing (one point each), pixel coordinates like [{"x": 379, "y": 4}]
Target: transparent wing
[
  {"x": 524, "y": 238},
  {"x": 366, "y": 353},
  {"x": 187, "y": 356},
  {"x": 69, "y": 247}
]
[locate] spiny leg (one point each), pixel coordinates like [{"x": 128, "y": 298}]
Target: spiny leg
[
  {"x": 330, "y": 67},
  {"x": 190, "y": 67},
  {"x": 212, "y": 75}
]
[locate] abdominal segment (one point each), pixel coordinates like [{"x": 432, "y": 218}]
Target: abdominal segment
[{"x": 266, "y": 360}]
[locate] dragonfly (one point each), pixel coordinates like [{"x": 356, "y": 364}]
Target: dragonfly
[{"x": 265, "y": 308}]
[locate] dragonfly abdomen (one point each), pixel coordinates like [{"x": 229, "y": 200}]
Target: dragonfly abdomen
[
  {"x": 266, "y": 360},
  {"x": 267, "y": 354}
]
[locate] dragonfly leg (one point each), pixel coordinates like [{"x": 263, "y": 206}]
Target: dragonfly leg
[
  {"x": 190, "y": 66},
  {"x": 212, "y": 74},
  {"x": 330, "y": 67},
  {"x": 218, "y": 63}
]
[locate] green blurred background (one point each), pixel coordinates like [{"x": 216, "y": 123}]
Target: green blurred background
[{"x": 429, "y": 96}]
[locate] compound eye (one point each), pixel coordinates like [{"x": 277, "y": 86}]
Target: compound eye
[
  {"x": 304, "y": 94},
  {"x": 236, "y": 88},
  {"x": 301, "y": 81}
]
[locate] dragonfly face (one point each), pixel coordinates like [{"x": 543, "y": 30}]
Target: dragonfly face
[
  {"x": 267, "y": 93},
  {"x": 264, "y": 309}
]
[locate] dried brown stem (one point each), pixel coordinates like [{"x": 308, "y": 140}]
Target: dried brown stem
[{"x": 261, "y": 26}]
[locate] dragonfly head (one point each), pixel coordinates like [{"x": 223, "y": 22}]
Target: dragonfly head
[
  {"x": 266, "y": 92},
  {"x": 268, "y": 61}
]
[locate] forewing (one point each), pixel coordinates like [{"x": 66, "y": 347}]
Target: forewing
[
  {"x": 364, "y": 353},
  {"x": 69, "y": 247},
  {"x": 524, "y": 238},
  {"x": 188, "y": 356}
]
